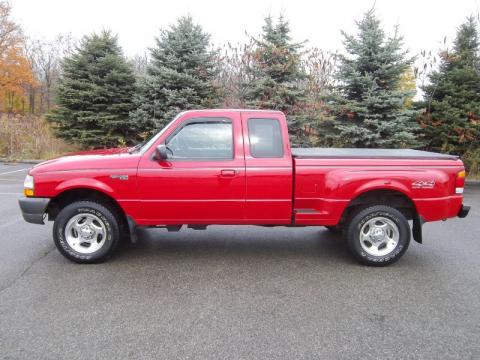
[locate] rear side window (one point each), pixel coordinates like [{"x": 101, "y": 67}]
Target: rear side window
[{"x": 265, "y": 138}]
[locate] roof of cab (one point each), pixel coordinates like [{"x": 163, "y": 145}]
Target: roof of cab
[{"x": 232, "y": 110}]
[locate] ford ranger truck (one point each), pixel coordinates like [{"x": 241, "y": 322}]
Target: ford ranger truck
[{"x": 236, "y": 167}]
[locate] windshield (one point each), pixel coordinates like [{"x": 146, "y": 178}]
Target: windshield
[{"x": 145, "y": 145}]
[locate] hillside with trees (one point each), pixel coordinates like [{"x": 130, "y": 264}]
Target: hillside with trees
[{"x": 66, "y": 95}]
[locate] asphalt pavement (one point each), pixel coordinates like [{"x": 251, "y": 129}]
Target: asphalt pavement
[{"x": 237, "y": 293}]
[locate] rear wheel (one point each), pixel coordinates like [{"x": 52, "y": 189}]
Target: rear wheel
[
  {"x": 86, "y": 232},
  {"x": 378, "y": 235}
]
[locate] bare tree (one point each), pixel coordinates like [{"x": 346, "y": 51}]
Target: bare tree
[
  {"x": 320, "y": 67},
  {"x": 233, "y": 63},
  {"x": 139, "y": 64},
  {"x": 426, "y": 63},
  {"x": 46, "y": 58},
  {"x": 10, "y": 33}
]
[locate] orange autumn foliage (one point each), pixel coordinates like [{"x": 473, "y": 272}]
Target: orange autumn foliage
[{"x": 16, "y": 72}]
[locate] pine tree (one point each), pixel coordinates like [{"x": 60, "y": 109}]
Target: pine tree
[
  {"x": 95, "y": 95},
  {"x": 369, "y": 105},
  {"x": 276, "y": 71},
  {"x": 451, "y": 121},
  {"x": 178, "y": 78}
]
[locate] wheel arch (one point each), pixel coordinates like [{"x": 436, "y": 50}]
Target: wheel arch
[
  {"x": 394, "y": 197},
  {"x": 71, "y": 195}
]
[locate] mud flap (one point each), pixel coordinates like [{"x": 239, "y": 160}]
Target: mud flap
[
  {"x": 132, "y": 229},
  {"x": 417, "y": 228}
]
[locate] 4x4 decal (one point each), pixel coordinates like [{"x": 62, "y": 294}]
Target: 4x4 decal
[{"x": 423, "y": 184}]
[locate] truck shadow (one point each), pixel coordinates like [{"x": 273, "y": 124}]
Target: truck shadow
[{"x": 220, "y": 242}]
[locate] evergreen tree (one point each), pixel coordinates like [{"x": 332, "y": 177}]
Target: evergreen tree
[
  {"x": 451, "y": 121},
  {"x": 95, "y": 95},
  {"x": 178, "y": 78},
  {"x": 275, "y": 71},
  {"x": 369, "y": 104}
]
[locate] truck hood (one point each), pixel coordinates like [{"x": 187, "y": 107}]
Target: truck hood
[
  {"x": 117, "y": 158},
  {"x": 99, "y": 152}
]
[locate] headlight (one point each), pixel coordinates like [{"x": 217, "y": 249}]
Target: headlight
[{"x": 28, "y": 186}]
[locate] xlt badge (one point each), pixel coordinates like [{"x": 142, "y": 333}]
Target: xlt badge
[{"x": 120, "y": 177}]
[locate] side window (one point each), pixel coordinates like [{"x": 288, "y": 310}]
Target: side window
[
  {"x": 202, "y": 139},
  {"x": 265, "y": 138}
]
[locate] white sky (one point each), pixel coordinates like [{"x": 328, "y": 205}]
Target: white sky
[{"x": 423, "y": 23}]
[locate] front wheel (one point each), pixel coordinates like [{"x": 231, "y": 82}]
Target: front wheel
[
  {"x": 86, "y": 232},
  {"x": 378, "y": 235}
]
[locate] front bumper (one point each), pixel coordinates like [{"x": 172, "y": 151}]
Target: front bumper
[
  {"x": 463, "y": 211},
  {"x": 33, "y": 209}
]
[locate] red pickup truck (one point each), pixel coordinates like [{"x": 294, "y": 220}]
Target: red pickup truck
[{"x": 236, "y": 167}]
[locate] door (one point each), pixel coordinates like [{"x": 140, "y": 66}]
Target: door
[
  {"x": 203, "y": 179},
  {"x": 269, "y": 169}
]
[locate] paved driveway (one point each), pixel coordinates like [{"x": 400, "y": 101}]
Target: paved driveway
[{"x": 237, "y": 293}]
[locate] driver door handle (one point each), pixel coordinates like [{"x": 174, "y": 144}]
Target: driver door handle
[{"x": 228, "y": 173}]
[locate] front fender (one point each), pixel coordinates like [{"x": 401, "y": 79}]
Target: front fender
[{"x": 84, "y": 183}]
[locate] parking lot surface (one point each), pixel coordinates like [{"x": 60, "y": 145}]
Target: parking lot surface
[{"x": 237, "y": 293}]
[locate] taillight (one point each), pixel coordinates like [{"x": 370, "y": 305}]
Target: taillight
[{"x": 460, "y": 182}]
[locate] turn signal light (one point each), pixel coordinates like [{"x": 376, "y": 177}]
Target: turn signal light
[
  {"x": 28, "y": 185},
  {"x": 28, "y": 192},
  {"x": 460, "y": 182}
]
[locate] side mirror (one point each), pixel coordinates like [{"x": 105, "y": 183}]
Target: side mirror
[{"x": 161, "y": 153}]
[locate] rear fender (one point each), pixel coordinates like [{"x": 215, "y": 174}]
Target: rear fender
[
  {"x": 386, "y": 184},
  {"x": 383, "y": 184}
]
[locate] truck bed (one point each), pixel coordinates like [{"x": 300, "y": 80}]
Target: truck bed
[{"x": 345, "y": 153}]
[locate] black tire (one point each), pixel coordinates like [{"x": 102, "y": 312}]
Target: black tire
[
  {"x": 361, "y": 217},
  {"x": 104, "y": 214}
]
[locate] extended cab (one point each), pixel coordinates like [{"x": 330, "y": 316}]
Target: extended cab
[{"x": 236, "y": 167}]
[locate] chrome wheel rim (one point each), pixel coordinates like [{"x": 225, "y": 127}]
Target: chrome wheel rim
[
  {"x": 85, "y": 233},
  {"x": 379, "y": 236}
]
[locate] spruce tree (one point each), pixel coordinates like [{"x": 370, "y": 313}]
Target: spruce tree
[
  {"x": 95, "y": 95},
  {"x": 276, "y": 72},
  {"x": 179, "y": 76},
  {"x": 451, "y": 121},
  {"x": 369, "y": 102}
]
